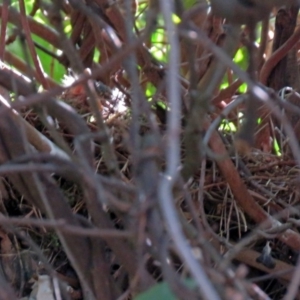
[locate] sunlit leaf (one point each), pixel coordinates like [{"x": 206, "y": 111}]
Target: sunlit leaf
[
  {"x": 163, "y": 105},
  {"x": 159, "y": 47},
  {"x": 68, "y": 28},
  {"x": 228, "y": 126},
  {"x": 243, "y": 88},
  {"x": 176, "y": 19},
  {"x": 225, "y": 84},
  {"x": 158, "y": 53},
  {"x": 277, "y": 148},
  {"x": 96, "y": 55},
  {"x": 150, "y": 90},
  {"x": 241, "y": 58},
  {"x": 189, "y": 3},
  {"x": 158, "y": 36}
]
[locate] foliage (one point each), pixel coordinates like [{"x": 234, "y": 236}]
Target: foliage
[
  {"x": 161, "y": 291},
  {"x": 140, "y": 142}
]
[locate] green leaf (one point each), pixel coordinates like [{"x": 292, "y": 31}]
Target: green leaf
[
  {"x": 150, "y": 90},
  {"x": 189, "y": 3},
  {"x": 243, "y": 88},
  {"x": 159, "y": 291},
  {"x": 176, "y": 19},
  {"x": 162, "y": 291},
  {"x": 277, "y": 148},
  {"x": 227, "y": 126},
  {"x": 241, "y": 58}
]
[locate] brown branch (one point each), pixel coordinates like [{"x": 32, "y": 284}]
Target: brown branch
[
  {"x": 40, "y": 30},
  {"x": 226, "y": 94},
  {"x": 277, "y": 56},
  {"x": 44, "y": 194},
  {"x": 207, "y": 86},
  {"x": 3, "y": 27},
  {"x": 21, "y": 66},
  {"x": 36, "y": 61},
  {"x": 263, "y": 44},
  {"x": 63, "y": 225},
  {"x": 77, "y": 21},
  {"x": 88, "y": 45}
]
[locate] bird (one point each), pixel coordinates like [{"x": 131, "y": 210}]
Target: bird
[
  {"x": 266, "y": 257},
  {"x": 77, "y": 97}
]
